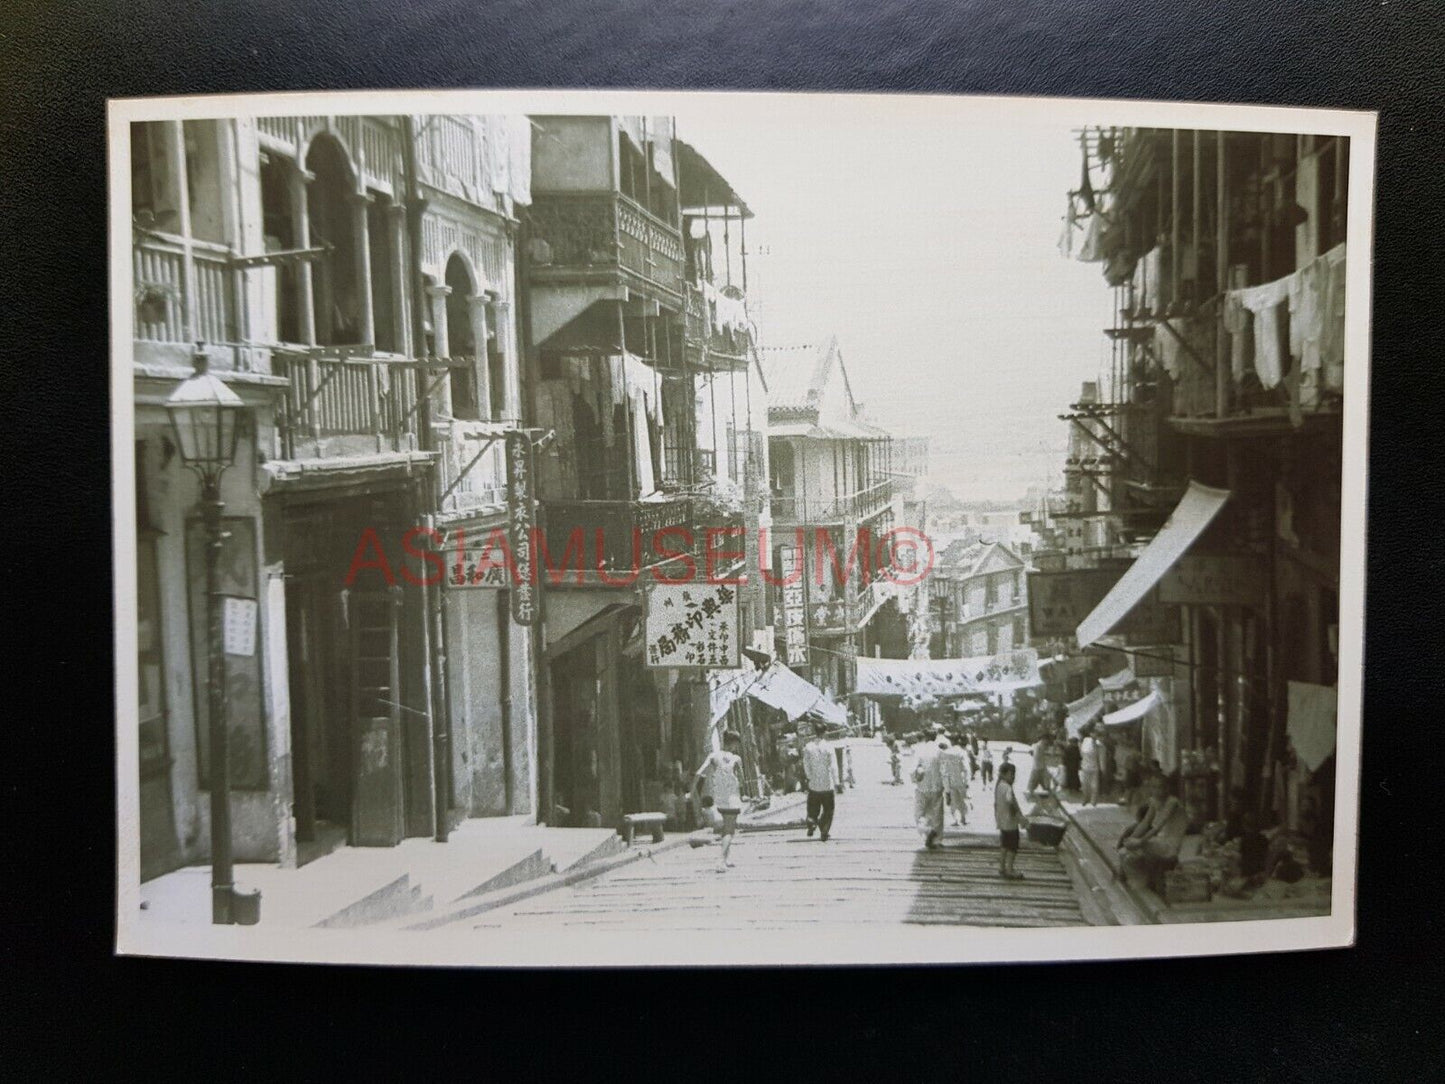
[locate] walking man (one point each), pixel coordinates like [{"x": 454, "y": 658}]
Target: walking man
[
  {"x": 820, "y": 768},
  {"x": 928, "y": 792},
  {"x": 985, "y": 761},
  {"x": 954, "y": 765}
]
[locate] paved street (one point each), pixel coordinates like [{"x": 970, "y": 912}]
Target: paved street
[{"x": 873, "y": 870}]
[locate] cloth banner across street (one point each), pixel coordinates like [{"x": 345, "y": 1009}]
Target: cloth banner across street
[{"x": 949, "y": 677}]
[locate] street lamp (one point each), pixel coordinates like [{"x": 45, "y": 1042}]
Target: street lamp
[{"x": 206, "y": 416}]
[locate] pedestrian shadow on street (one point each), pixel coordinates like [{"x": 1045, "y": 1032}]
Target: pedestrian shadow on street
[{"x": 958, "y": 884}]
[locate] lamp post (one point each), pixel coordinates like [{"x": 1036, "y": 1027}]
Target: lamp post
[{"x": 205, "y": 415}]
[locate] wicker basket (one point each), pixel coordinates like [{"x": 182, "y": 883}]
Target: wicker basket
[{"x": 1047, "y": 831}]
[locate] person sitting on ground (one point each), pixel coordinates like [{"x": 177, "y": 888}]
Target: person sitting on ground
[{"x": 1151, "y": 845}]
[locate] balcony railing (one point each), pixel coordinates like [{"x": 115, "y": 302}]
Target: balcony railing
[
  {"x": 710, "y": 345},
  {"x": 160, "y": 291},
  {"x": 620, "y": 522},
  {"x": 345, "y": 405},
  {"x": 850, "y": 508},
  {"x": 605, "y": 232}
]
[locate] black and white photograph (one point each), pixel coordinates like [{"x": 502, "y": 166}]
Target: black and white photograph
[{"x": 624, "y": 528}]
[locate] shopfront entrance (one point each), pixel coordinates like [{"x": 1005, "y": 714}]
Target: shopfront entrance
[{"x": 358, "y": 741}]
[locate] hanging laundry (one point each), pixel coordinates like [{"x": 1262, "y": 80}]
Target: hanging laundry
[
  {"x": 1311, "y": 724},
  {"x": 1306, "y": 288},
  {"x": 1239, "y": 322},
  {"x": 1091, "y": 251},
  {"x": 1066, "y": 237},
  {"x": 1270, "y": 348},
  {"x": 1332, "y": 320},
  {"x": 1166, "y": 349},
  {"x": 1150, "y": 268}
]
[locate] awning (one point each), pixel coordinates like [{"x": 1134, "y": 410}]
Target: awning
[
  {"x": 1188, "y": 521},
  {"x": 1084, "y": 711},
  {"x": 1114, "y": 682},
  {"x": 780, "y": 688},
  {"x": 1134, "y": 711}
]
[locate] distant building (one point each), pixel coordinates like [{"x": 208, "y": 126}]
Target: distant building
[{"x": 977, "y": 592}]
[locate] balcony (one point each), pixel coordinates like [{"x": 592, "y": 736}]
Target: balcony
[
  {"x": 590, "y": 236},
  {"x": 620, "y": 522},
  {"x": 852, "y": 508},
  {"x": 339, "y": 405},
  {"x": 158, "y": 261},
  {"x": 474, "y": 468},
  {"x": 714, "y": 342}
]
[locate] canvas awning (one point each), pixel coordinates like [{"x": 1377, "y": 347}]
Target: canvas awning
[
  {"x": 780, "y": 688},
  {"x": 1186, "y": 523},
  {"x": 1114, "y": 682},
  {"x": 1134, "y": 711},
  {"x": 1084, "y": 711}
]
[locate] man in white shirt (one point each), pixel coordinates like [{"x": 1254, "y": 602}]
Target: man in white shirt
[
  {"x": 928, "y": 792},
  {"x": 820, "y": 769},
  {"x": 1089, "y": 767}
]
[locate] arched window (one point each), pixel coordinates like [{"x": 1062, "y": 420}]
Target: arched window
[
  {"x": 461, "y": 339},
  {"x": 336, "y": 289}
]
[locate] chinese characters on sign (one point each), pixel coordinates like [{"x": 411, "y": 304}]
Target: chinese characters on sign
[
  {"x": 520, "y": 520},
  {"x": 1059, "y": 601},
  {"x": 793, "y": 606},
  {"x": 692, "y": 625},
  {"x": 238, "y": 619}
]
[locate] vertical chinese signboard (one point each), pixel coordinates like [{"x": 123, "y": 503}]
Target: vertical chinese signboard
[
  {"x": 520, "y": 520},
  {"x": 692, "y": 625},
  {"x": 794, "y": 606}
]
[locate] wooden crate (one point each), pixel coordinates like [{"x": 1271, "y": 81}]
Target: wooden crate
[{"x": 1187, "y": 886}]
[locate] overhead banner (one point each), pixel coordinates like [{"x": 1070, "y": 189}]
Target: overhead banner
[
  {"x": 692, "y": 625},
  {"x": 949, "y": 677}
]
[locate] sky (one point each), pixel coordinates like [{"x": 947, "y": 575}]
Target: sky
[{"x": 931, "y": 250}]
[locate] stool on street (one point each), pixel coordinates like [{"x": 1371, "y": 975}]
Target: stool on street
[{"x": 653, "y": 821}]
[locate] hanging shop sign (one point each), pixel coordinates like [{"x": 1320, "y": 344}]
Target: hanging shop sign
[
  {"x": 476, "y": 558},
  {"x": 521, "y": 519},
  {"x": 1214, "y": 580},
  {"x": 692, "y": 625},
  {"x": 792, "y": 602},
  {"x": 1155, "y": 661},
  {"x": 1060, "y": 601}
]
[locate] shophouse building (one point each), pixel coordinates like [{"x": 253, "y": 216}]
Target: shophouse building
[
  {"x": 352, "y": 278},
  {"x": 1220, "y": 431}
]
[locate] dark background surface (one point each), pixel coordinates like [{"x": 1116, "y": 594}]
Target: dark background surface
[{"x": 1369, "y": 1012}]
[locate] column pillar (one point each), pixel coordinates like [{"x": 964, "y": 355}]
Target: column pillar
[
  {"x": 361, "y": 232},
  {"x": 511, "y": 363},
  {"x": 401, "y": 311},
  {"x": 301, "y": 223},
  {"x": 477, "y": 313},
  {"x": 175, "y": 145},
  {"x": 438, "y": 299}
]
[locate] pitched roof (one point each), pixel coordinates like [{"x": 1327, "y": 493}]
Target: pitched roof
[
  {"x": 797, "y": 375},
  {"x": 964, "y": 560}
]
